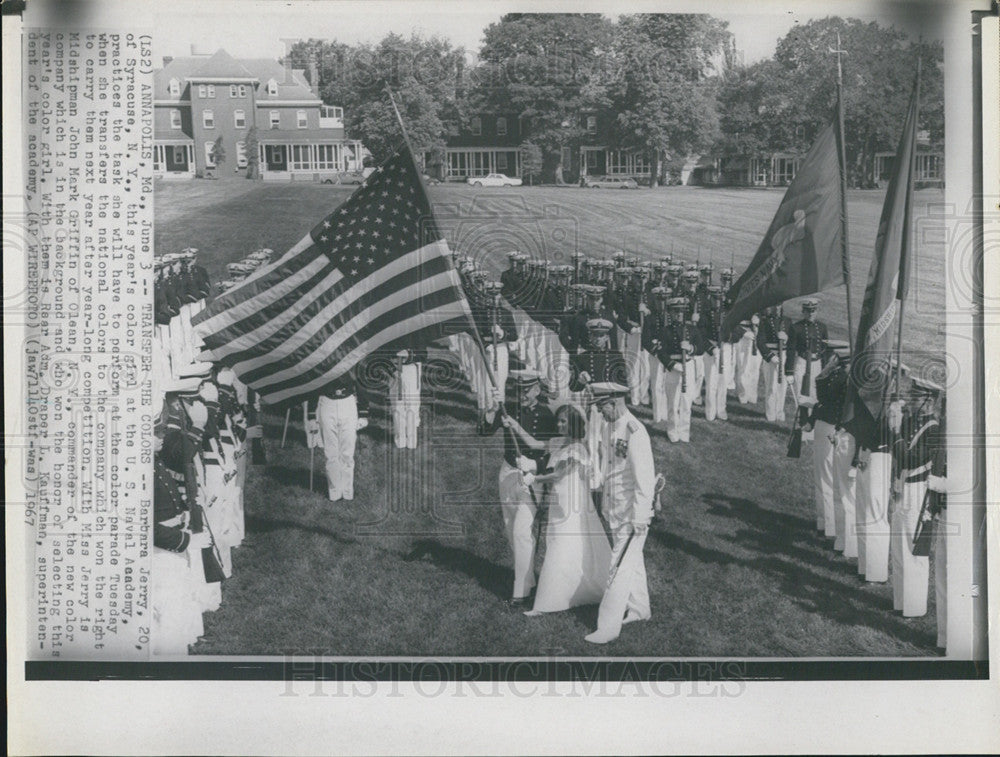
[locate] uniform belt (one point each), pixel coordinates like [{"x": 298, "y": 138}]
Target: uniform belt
[
  {"x": 771, "y": 345},
  {"x": 917, "y": 474},
  {"x": 917, "y": 477}
]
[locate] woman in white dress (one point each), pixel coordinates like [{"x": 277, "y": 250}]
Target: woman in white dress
[{"x": 577, "y": 552}]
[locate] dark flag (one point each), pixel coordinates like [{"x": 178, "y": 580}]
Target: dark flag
[
  {"x": 375, "y": 274},
  {"x": 801, "y": 252},
  {"x": 885, "y": 291}
]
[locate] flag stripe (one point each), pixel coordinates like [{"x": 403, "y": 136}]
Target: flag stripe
[
  {"x": 252, "y": 312},
  {"x": 291, "y": 359},
  {"x": 421, "y": 322},
  {"x": 253, "y": 330},
  {"x": 257, "y": 285},
  {"x": 300, "y": 336}
]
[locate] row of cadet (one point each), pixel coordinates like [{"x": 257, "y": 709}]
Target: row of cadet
[
  {"x": 654, "y": 327},
  {"x": 880, "y": 485},
  {"x": 207, "y": 432}
]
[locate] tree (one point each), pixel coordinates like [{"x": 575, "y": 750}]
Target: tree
[
  {"x": 531, "y": 160},
  {"x": 218, "y": 153},
  {"x": 878, "y": 77},
  {"x": 548, "y": 68},
  {"x": 664, "y": 90},
  {"x": 253, "y": 153},
  {"x": 424, "y": 77}
]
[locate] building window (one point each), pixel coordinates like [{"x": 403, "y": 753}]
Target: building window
[
  {"x": 331, "y": 111},
  {"x": 202, "y": 90},
  {"x": 567, "y": 158},
  {"x": 592, "y": 124},
  {"x": 326, "y": 157},
  {"x": 272, "y": 87},
  {"x": 501, "y": 127},
  {"x": 237, "y": 90},
  {"x": 239, "y": 119},
  {"x": 301, "y": 157},
  {"x": 476, "y": 126},
  {"x": 275, "y": 117},
  {"x": 175, "y": 119},
  {"x": 300, "y": 119},
  {"x": 175, "y": 88},
  {"x": 501, "y": 161},
  {"x": 180, "y": 154},
  {"x": 208, "y": 119},
  {"x": 241, "y": 154},
  {"x": 209, "y": 160}
]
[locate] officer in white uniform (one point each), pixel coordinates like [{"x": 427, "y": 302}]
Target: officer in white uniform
[{"x": 628, "y": 482}]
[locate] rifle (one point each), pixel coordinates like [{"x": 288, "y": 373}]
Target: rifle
[
  {"x": 718, "y": 333},
  {"x": 794, "y": 449},
  {"x": 807, "y": 376},
  {"x": 493, "y": 335},
  {"x": 931, "y": 506},
  {"x": 684, "y": 363}
]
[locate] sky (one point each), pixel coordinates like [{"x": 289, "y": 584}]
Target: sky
[{"x": 255, "y": 28}]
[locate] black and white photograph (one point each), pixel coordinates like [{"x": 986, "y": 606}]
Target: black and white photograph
[{"x": 578, "y": 334}]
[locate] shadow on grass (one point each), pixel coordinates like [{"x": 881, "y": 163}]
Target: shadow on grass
[
  {"x": 258, "y": 525},
  {"x": 842, "y": 602},
  {"x": 494, "y": 578}
]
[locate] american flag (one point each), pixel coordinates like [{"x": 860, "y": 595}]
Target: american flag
[{"x": 375, "y": 274}]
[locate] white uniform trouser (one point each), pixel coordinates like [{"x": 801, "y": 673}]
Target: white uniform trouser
[
  {"x": 596, "y": 426},
  {"x": 521, "y": 320},
  {"x": 533, "y": 345},
  {"x": 679, "y": 403},
  {"x": 518, "y": 510},
  {"x": 338, "y": 422},
  {"x": 481, "y": 384},
  {"x": 627, "y": 589},
  {"x": 404, "y": 405},
  {"x": 874, "y": 491},
  {"x": 910, "y": 575},
  {"x": 698, "y": 361},
  {"x": 658, "y": 390},
  {"x": 716, "y": 383},
  {"x": 748, "y": 380},
  {"x": 808, "y": 399},
  {"x": 941, "y": 577},
  {"x": 844, "y": 494},
  {"x": 775, "y": 391},
  {"x": 637, "y": 366},
  {"x": 826, "y": 518}
]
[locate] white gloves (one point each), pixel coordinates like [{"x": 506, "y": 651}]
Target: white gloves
[
  {"x": 782, "y": 336},
  {"x": 198, "y": 414},
  {"x": 209, "y": 392},
  {"x": 755, "y": 320},
  {"x": 773, "y": 360},
  {"x": 525, "y": 465},
  {"x": 497, "y": 397},
  {"x": 362, "y": 423},
  {"x": 312, "y": 426},
  {"x": 937, "y": 484},
  {"x": 585, "y": 377},
  {"x": 226, "y": 377},
  {"x": 498, "y": 332},
  {"x": 686, "y": 346},
  {"x": 528, "y": 478},
  {"x": 643, "y": 308},
  {"x": 789, "y": 379}
]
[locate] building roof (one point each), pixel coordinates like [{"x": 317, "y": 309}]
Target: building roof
[
  {"x": 291, "y": 136},
  {"x": 291, "y": 83},
  {"x": 221, "y": 65}
]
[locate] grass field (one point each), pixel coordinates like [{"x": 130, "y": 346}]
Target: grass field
[{"x": 417, "y": 564}]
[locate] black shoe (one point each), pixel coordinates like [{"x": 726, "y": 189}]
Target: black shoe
[{"x": 519, "y": 603}]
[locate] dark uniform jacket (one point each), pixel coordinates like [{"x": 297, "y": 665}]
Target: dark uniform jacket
[
  {"x": 171, "y": 467},
  {"x": 914, "y": 450},
  {"x": 200, "y": 282},
  {"x": 602, "y": 365},
  {"x": 670, "y": 351},
  {"x": 485, "y": 315},
  {"x": 805, "y": 340},
  {"x": 831, "y": 390},
  {"x": 654, "y": 332},
  {"x": 538, "y": 421},
  {"x": 767, "y": 334}
]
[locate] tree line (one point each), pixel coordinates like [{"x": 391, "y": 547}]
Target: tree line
[{"x": 668, "y": 85}]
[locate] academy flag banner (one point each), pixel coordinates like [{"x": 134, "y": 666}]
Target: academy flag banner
[
  {"x": 887, "y": 279},
  {"x": 375, "y": 274},
  {"x": 801, "y": 252}
]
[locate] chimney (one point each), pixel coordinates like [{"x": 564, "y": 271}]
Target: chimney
[
  {"x": 167, "y": 59},
  {"x": 313, "y": 75}
]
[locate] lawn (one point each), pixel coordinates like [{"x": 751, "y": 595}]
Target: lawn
[{"x": 417, "y": 564}]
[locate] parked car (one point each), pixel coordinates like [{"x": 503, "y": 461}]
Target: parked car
[
  {"x": 609, "y": 182},
  {"x": 494, "y": 180},
  {"x": 346, "y": 177},
  {"x": 431, "y": 181}
]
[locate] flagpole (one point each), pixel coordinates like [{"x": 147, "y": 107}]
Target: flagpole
[
  {"x": 845, "y": 243},
  {"x": 902, "y": 286},
  {"x": 475, "y": 328}
]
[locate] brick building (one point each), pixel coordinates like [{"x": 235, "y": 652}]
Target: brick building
[{"x": 200, "y": 98}]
